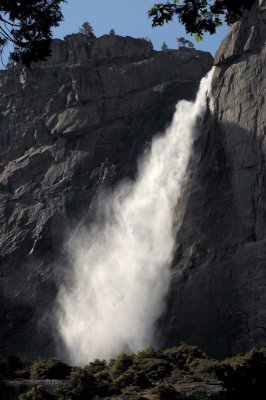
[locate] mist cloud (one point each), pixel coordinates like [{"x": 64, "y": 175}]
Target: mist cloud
[{"x": 120, "y": 269}]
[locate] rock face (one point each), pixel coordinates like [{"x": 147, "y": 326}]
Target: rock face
[
  {"x": 68, "y": 125},
  {"x": 218, "y": 298}
]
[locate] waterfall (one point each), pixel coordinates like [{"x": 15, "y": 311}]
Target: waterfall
[{"x": 120, "y": 267}]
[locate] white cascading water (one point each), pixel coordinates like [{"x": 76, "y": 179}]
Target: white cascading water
[{"x": 120, "y": 273}]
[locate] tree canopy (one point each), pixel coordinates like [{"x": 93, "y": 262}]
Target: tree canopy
[
  {"x": 86, "y": 29},
  {"x": 27, "y": 25},
  {"x": 199, "y": 16}
]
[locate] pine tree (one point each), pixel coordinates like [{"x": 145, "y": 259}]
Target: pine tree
[
  {"x": 112, "y": 32},
  {"x": 164, "y": 47},
  {"x": 86, "y": 29}
]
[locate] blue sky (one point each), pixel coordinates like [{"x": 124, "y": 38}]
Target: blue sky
[{"x": 127, "y": 17}]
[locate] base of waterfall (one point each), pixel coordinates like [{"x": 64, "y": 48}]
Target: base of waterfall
[{"x": 120, "y": 265}]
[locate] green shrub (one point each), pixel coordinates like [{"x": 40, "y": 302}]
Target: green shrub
[
  {"x": 155, "y": 369},
  {"x": 104, "y": 384},
  {"x": 203, "y": 370},
  {"x": 132, "y": 377},
  {"x": 243, "y": 376},
  {"x": 52, "y": 368},
  {"x": 149, "y": 352},
  {"x": 38, "y": 392},
  {"x": 183, "y": 357},
  {"x": 141, "y": 369},
  {"x": 96, "y": 366},
  {"x": 121, "y": 364},
  {"x": 80, "y": 385}
]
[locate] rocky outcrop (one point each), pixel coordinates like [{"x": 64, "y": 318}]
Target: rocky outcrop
[
  {"x": 219, "y": 276},
  {"x": 67, "y": 126}
]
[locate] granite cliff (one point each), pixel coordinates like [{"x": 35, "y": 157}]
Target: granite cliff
[
  {"x": 69, "y": 125},
  {"x": 217, "y": 299},
  {"x": 80, "y": 121}
]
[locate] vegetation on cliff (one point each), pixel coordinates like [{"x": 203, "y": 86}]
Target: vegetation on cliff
[{"x": 175, "y": 373}]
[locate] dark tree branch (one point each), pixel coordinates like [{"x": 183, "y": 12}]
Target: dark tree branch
[
  {"x": 7, "y": 22},
  {"x": 28, "y": 25},
  {"x": 6, "y": 35},
  {"x": 199, "y": 16}
]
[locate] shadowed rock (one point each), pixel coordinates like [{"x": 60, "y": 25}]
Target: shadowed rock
[{"x": 218, "y": 298}]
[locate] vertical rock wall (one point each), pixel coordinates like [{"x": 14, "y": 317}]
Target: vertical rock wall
[
  {"x": 218, "y": 296},
  {"x": 67, "y": 127}
]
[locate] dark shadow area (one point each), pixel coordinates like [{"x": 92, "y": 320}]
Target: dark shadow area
[{"x": 216, "y": 299}]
